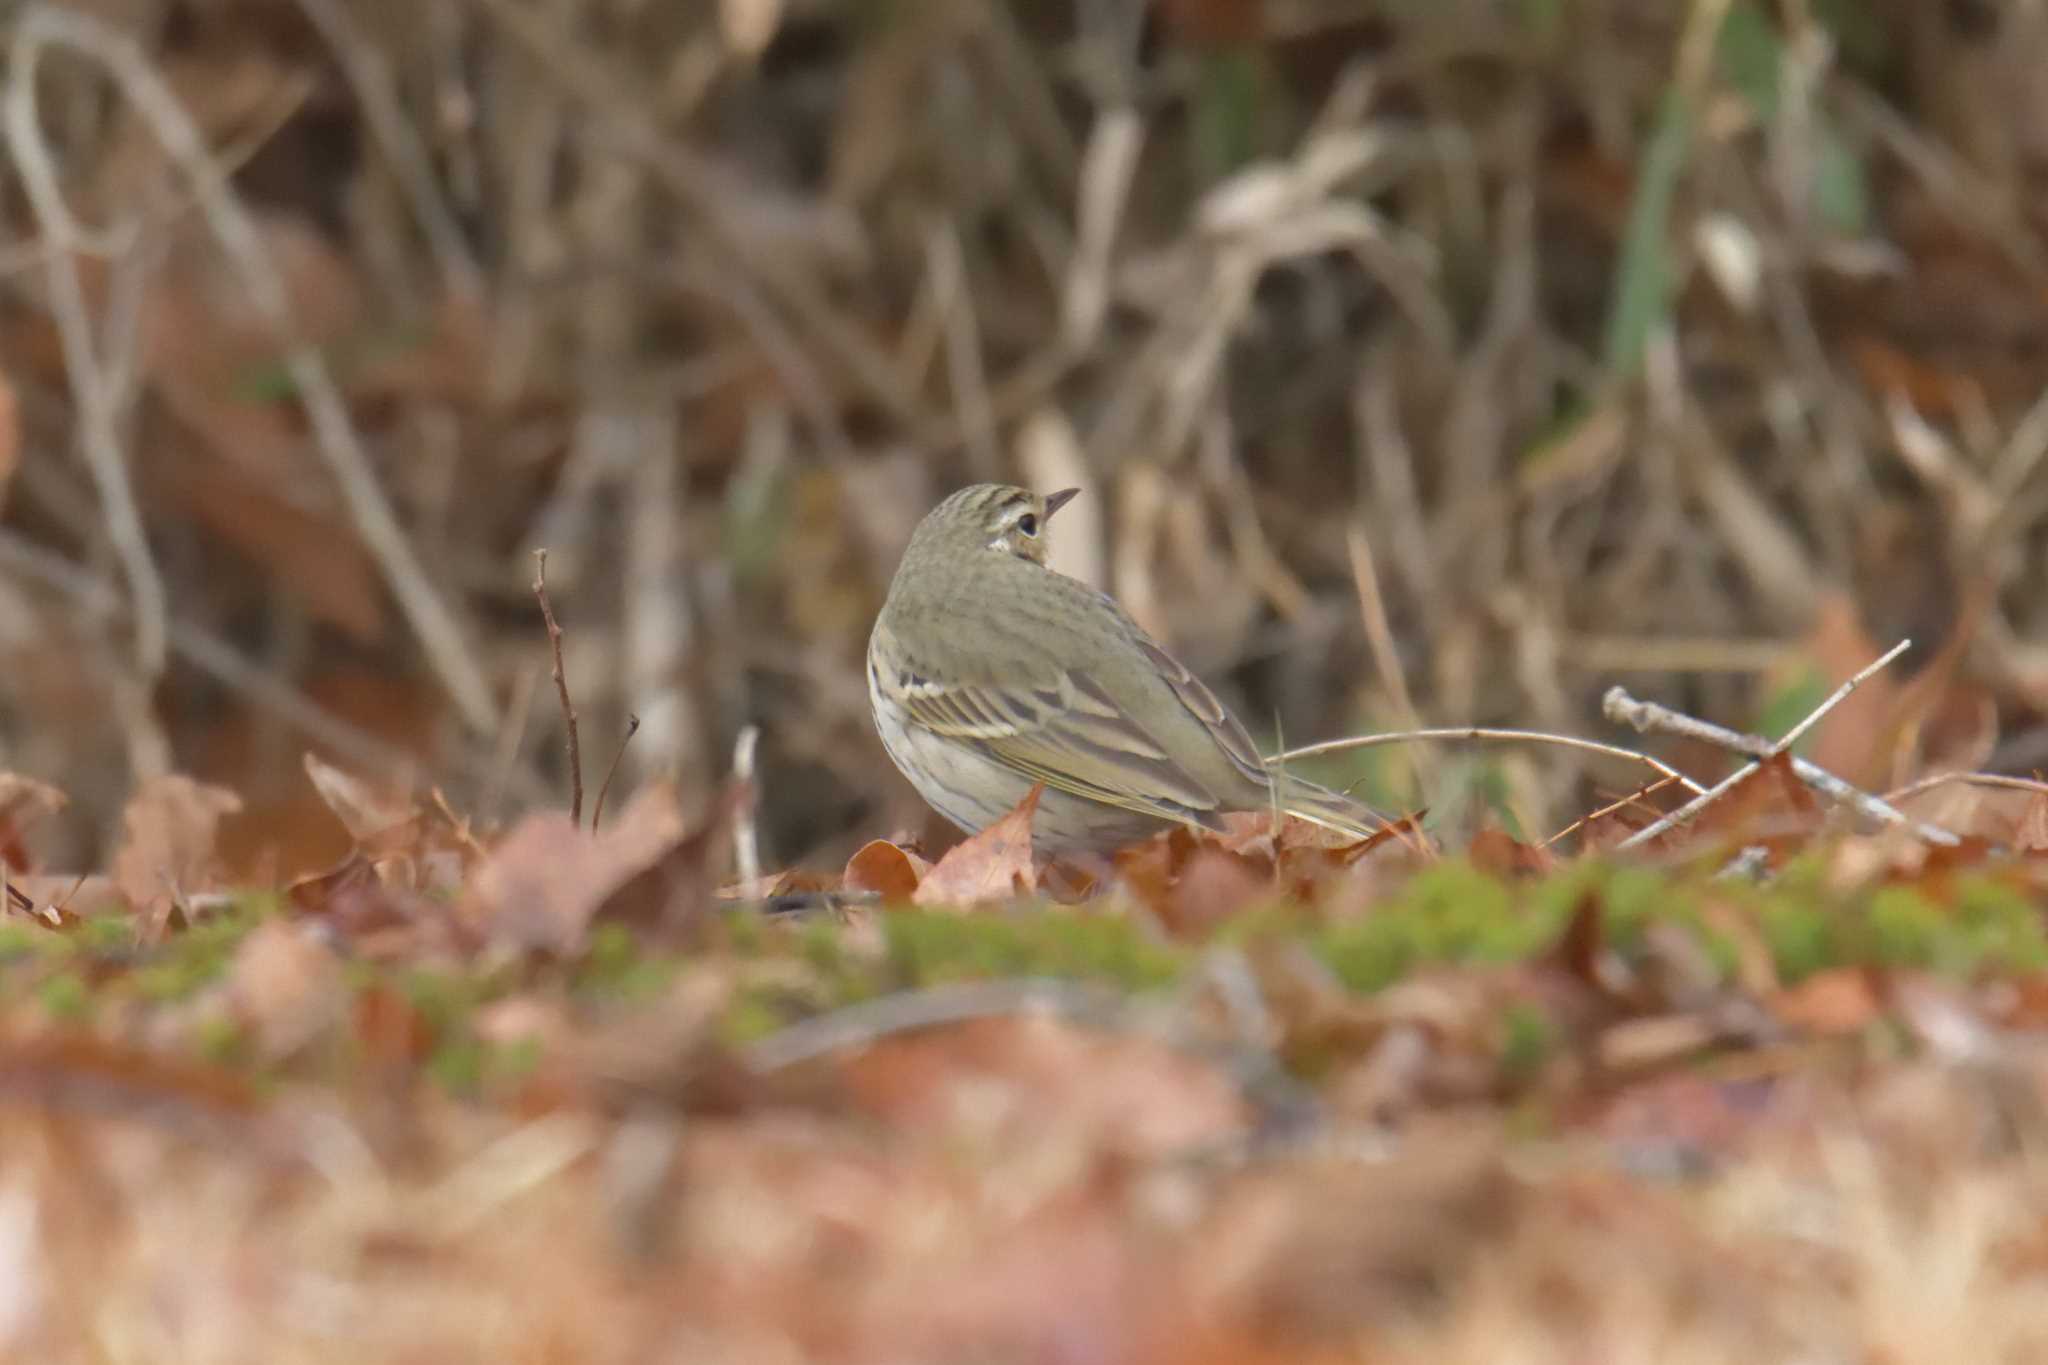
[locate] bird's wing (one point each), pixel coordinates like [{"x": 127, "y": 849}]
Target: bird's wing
[
  {"x": 1067, "y": 732},
  {"x": 1223, "y": 727}
]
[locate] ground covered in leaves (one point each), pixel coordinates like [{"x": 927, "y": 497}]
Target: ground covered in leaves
[
  {"x": 1422, "y": 364},
  {"x": 555, "y": 1094}
]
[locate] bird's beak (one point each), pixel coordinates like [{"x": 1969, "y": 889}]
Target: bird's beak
[{"x": 1055, "y": 501}]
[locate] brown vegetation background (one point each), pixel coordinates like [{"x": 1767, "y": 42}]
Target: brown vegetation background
[{"x": 1422, "y": 363}]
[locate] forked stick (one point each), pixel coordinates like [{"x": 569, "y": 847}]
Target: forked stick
[{"x": 1645, "y": 716}]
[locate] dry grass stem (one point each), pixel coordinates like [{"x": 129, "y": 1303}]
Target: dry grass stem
[
  {"x": 1488, "y": 735},
  {"x": 43, "y": 25},
  {"x": 100, "y": 398},
  {"x": 605, "y": 787},
  {"x": 746, "y": 840},
  {"x": 575, "y": 746}
]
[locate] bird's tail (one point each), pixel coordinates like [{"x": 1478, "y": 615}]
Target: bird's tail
[{"x": 1332, "y": 810}]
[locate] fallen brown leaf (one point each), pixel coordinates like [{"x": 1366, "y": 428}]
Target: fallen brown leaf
[
  {"x": 24, "y": 804},
  {"x": 364, "y": 809},
  {"x": 1840, "y": 1000},
  {"x": 883, "y": 868},
  {"x": 993, "y": 865},
  {"x": 545, "y": 882},
  {"x": 170, "y": 830}
]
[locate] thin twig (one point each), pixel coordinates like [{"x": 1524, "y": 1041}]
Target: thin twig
[
  {"x": 2004, "y": 780},
  {"x": 511, "y": 736},
  {"x": 604, "y": 788},
  {"x": 547, "y": 615},
  {"x": 1491, "y": 735},
  {"x": 706, "y": 190},
  {"x": 1624, "y": 709},
  {"x": 1610, "y": 808},
  {"x": 369, "y": 72},
  {"x": 43, "y": 25},
  {"x": 1379, "y": 634},
  {"x": 746, "y": 843},
  {"x": 1837, "y": 697}
]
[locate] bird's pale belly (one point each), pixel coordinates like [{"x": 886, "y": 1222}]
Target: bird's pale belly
[{"x": 974, "y": 791}]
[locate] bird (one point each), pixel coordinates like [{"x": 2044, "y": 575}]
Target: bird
[{"x": 990, "y": 672}]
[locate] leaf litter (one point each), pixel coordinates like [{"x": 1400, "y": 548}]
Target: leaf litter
[
  {"x": 1252, "y": 1094},
  {"x": 1766, "y": 1084}
]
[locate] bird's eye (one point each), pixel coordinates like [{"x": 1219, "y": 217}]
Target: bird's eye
[{"x": 1028, "y": 524}]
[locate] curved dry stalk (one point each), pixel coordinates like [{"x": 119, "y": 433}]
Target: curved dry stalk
[
  {"x": 97, "y": 392},
  {"x": 1488, "y": 734},
  {"x": 47, "y": 25}
]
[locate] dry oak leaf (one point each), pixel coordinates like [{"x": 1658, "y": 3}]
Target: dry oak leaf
[
  {"x": 364, "y": 809},
  {"x": 545, "y": 881},
  {"x": 994, "y": 865},
  {"x": 24, "y": 804},
  {"x": 170, "y": 830},
  {"x": 885, "y": 869}
]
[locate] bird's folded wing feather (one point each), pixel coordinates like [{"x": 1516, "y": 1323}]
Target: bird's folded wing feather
[
  {"x": 1068, "y": 733},
  {"x": 1194, "y": 694}
]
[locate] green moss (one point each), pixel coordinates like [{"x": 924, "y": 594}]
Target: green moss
[
  {"x": 924, "y": 947},
  {"x": 1801, "y": 936},
  {"x": 19, "y": 941},
  {"x": 619, "y": 967},
  {"x": 104, "y": 933},
  {"x": 65, "y": 996},
  {"x": 1448, "y": 913},
  {"x": 458, "y": 1064},
  {"x": 1983, "y": 924},
  {"x": 444, "y": 1001},
  {"x": 220, "y": 1039},
  {"x": 751, "y": 1016},
  {"x": 1527, "y": 1040},
  {"x": 164, "y": 982}
]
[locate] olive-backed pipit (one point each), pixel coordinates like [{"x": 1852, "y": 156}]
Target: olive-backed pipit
[{"x": 989, "y": 672}]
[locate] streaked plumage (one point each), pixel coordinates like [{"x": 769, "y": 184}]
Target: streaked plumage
[{"x": 989, "y": 671}]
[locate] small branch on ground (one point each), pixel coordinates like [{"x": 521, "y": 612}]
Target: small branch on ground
[
  {"x": 1645, "y": 716},
  {"x": 547, "y": 614},
  {"x": 604, "y": 790}
]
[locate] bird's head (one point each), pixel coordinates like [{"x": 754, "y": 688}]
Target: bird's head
[{"x": 996, "y": 517}]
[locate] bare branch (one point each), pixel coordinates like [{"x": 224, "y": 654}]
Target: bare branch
[{"x": 1624, "y": 709}]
